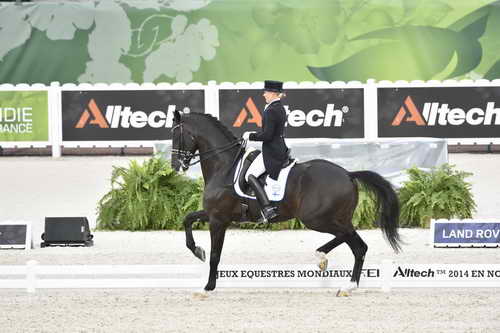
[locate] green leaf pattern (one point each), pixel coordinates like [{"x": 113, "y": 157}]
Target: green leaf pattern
[
  {"x": 249, "y": 40},
  {"x": 14, "y": 29},
  {"x": 184, "y": 50},
  {"x": 106, "y": 52}
]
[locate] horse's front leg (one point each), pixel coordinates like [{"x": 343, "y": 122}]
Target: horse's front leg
[
  {"x": 200, "y": 216},
  {"x": 218, "y": 228}
]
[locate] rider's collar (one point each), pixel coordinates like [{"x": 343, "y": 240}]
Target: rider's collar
[{"x": 274, "y": 100}]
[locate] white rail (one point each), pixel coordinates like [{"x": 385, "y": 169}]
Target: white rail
[{"x": 33, "y": 276}]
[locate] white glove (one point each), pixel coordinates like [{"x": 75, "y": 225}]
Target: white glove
[{"x": 246, "y": 135}]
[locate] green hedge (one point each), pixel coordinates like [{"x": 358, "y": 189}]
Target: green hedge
[
  {"x": 441, "y": 193},
  {"x": 152, "y": 196}
]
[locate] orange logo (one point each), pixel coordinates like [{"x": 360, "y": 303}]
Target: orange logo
[
  {"x": 415, "y": 115},
  {"x": 254, "y": 112},
  {"x": 97, "y": 117}
]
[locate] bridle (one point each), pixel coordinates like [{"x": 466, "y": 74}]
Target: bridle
[{"x": 186, "y": 156}]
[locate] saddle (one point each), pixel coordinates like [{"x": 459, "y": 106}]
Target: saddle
[{"x": 247, "y": 159}]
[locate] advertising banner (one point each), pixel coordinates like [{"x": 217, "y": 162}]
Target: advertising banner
[
  {"x": 445, "y": 275},
  {"x": 465, "y": 233},
  {"x": 24, "y": 116},
  {"x": 264, "y": 275},
  {"x": 385, "y": 276},
  {"x": 311, "y": 113},
  {"x": 108, "y": 115},
  {"x": 440, "y": 112}
]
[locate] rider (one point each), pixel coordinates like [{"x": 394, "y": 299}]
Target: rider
[{"x": 274, "y": 150}]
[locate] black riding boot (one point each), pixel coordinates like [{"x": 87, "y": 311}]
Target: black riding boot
[{"x": 268, "y": 211}]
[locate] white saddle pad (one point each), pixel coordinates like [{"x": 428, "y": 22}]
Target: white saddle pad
[{"x": 275, "y": 190}]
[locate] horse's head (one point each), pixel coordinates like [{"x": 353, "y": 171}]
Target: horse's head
[{"x": 183, "y": 143}]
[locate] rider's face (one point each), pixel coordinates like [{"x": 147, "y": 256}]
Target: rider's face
[{"x": 269, "y": 96}]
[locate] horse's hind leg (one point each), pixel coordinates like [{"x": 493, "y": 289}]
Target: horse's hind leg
[
  {"x": 322, "y": 251},
  {"x": 201, "y": 216},
  {"x": 358, "y": 248}
]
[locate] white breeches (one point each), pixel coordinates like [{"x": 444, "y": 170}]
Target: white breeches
[{"x": 257, "y": 167}]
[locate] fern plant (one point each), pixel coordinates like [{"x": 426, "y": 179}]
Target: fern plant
[
  {"x": 440, "y": 193},
  {"x": 365, "y": 215},
  {"x": 148, "y": 196}
]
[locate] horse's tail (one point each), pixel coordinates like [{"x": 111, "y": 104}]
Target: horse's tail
[{"x": 387, "y": 204}]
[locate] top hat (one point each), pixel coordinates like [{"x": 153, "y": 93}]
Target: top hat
[{"x": 275, "y": 86}]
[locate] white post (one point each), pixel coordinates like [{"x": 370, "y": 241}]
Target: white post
[
  {"x": 371, "y": 110},
  {"x": 55, "y": 118},
  {"x": 31, "y": 275},
  {"x": 387, "y": 268},
  {"x": 212, "y": 105}
]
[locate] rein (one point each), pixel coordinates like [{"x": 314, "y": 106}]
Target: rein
[{"x": 187, "y": 156}]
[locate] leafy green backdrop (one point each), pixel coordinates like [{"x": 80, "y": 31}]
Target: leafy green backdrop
[{"x": 249, "y": 40}]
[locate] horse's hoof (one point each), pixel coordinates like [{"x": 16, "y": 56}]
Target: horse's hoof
[
  {"x": 323, "y": 265},
  {"x": 200, "y": 253},
  {"x": 343, "y": 293},
  {"x": 322, "y": 261}
]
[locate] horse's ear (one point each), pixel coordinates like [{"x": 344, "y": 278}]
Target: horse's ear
[{"x": 177, "y": 116}]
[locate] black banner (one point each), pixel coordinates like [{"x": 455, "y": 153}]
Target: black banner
[
  {"x": 312, "y": 113},
  {"x": 134, "y": 115},
  {"x": 441, "y": 112}
]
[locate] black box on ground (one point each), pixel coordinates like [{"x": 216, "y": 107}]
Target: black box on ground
[{"x": 67, "y": 231}]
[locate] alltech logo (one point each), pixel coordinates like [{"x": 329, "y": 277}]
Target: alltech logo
[
  {"x": 249, "y": 114},
  {"x": 435, "y": 113},
  {"x": 119, "y": 116},
  {"x": 295, "y": 118}
]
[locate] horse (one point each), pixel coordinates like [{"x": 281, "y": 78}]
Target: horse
[{"x": 321, "y": 194}]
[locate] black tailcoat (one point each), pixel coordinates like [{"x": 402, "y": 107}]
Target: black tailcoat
[{"x": 274, "y": 149}]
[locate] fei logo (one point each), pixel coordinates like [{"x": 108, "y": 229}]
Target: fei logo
[
  {"x": 295, "y": 118},
  {"x": 435, "y": 113},
  {"x": 118, "y": 116}
]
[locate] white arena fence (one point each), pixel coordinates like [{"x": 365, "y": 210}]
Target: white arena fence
[
  {"x": 385, "y": 276},
  {"x": 211, "y": 106}
]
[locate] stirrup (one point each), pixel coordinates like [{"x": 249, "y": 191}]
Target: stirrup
[{"x": 269, "y": 214}]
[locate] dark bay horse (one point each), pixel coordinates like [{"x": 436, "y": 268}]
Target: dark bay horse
[{"x": 321, "y": 194}]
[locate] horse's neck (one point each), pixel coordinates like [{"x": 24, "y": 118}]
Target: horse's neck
[{"x": 213, "y": 160}]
